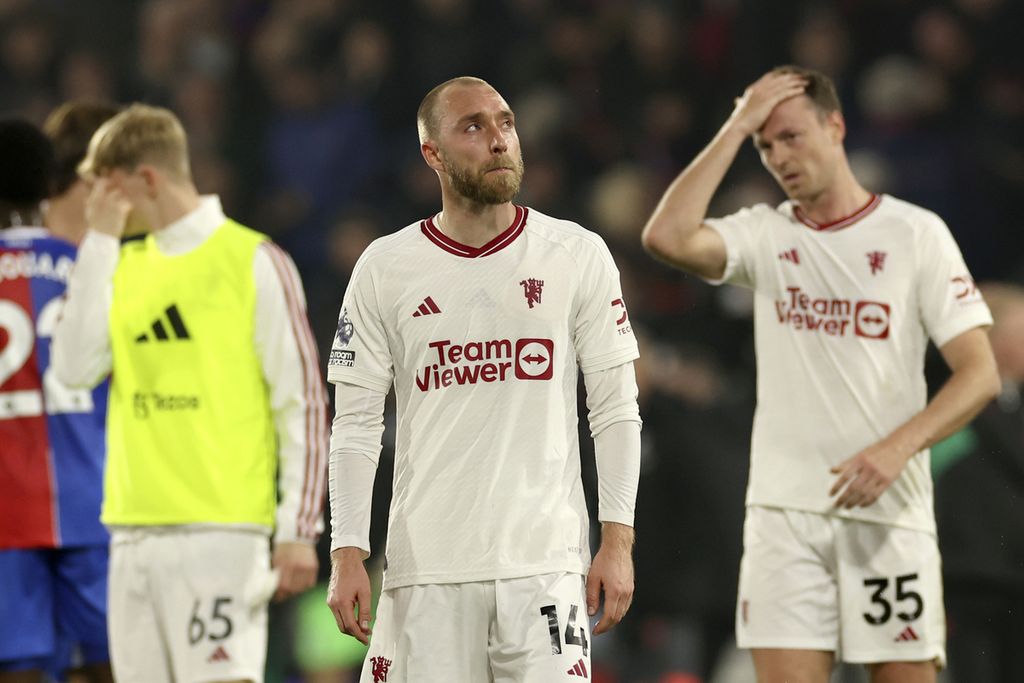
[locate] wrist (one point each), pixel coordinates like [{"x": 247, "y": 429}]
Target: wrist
[
  {"x": 617, "y": 536},
  {"x": 348, "y": 554}
]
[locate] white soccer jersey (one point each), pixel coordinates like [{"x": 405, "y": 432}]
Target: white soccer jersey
[
  {"x": 842, "y": 317},
  {"x": 483, "y": 346}
]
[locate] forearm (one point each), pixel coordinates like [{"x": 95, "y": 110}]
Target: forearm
[
  {"x": 298, "y": 401},
  {"x": 355, "y": 449},
  {"x": 684, "y": 206},
  {"x": 617, "y": 537},
  {"x": 81, "y": 354},
  {"x": 614, "y": 418},
  {"x": 966, "y": 392}
]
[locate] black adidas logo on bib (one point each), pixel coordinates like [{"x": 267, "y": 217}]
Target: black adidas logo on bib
[{"x": 159, "y": 330}]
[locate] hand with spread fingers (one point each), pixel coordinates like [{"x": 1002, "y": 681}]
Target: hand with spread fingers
[
  {"x": 756, "y": 103},
  {"x": 866, "y": 476},
  {"x": 611, "y": 574},
  {"x": 348, "y": 594}
]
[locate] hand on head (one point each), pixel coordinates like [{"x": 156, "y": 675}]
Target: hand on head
[
  {"x": 759, "y": 99},
  {"x": 107, "y": 208}
]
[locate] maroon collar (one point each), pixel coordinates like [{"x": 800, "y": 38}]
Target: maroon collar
[
  {"x": 832, "y": 226},
  {"x": 507, "y": 237}
]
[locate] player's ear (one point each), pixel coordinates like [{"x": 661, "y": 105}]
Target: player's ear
[
  {"x": 432, "y": 155},
  {"x": 150, "y": 176},
  {"x": 836, "y": 125}
]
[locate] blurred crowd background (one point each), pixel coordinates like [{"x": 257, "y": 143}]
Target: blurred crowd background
[{"x": 301, "y": 115}]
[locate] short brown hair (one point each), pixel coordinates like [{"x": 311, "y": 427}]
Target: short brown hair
[
  {"x": 70, "y": 127},
  {"x": 141, "y": 134},
  {"x": 427, "y": 117},
  {"x": 820, "y": 88}
]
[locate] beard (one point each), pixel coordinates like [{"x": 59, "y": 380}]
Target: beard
[{"x": 478, "y": 187}]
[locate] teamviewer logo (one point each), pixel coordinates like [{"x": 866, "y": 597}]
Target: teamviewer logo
[
  {"x": 535, "y": 358},
  {"x": 871, "y": 320}
]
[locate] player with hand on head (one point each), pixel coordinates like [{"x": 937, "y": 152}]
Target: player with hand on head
[
  {"x": 217, "y": 415},
  {"x": 840, "y": 557},
  {"x": 481, "y": 317}
]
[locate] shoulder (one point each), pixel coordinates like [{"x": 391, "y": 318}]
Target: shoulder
[
  {"x": 391, "y": 245},
  {"x": 757, "y": 214},
  {"x": 910, "y": 216},
  {"x": 385, "y": 251},
  {"x": 578, "y": 241}
]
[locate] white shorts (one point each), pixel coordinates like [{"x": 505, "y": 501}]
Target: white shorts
[
  {"x": 527, "y": 630},
  {"x": 188, "y": 604},
  {"x": 868, "y": 592}
]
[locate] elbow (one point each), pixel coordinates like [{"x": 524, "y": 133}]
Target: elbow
[
  {"x": 656, "y": 242},
  {"x": 652, "y": 239}
]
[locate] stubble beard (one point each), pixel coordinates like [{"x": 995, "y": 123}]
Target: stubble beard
[{"x": 480, "y": 188}]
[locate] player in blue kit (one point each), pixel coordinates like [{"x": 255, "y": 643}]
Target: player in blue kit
[{"x": 53, "y": 548}]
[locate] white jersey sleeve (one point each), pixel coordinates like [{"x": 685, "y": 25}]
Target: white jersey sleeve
[
  {"x": 949, "y": 301},
  {"x": 603, "y": 334},
  {"x": 742, "y": 232},
  {"x": 360, "y": 353}
]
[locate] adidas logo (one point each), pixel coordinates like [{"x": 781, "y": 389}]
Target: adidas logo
[
  {"x": 907, "y": 635},
  {"x": 428, "y": 307},
  {"x": 579, "y": 669},
  {"x": 159, "y": 331},
  {"x": 790, "y": 256},
  {"x": 219, "y": 655}
]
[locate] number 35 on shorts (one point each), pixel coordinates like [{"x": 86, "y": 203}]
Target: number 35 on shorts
[{"x": 901, "y": 599}]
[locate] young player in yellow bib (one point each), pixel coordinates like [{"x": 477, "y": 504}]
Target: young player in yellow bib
[
  {"x": 840, "y": 556},
  {"x": 481, "y": 317},
  {"x": 217, "y": 426}
]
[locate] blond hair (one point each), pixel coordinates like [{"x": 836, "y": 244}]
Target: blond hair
[{"x": 141, "y": 134}]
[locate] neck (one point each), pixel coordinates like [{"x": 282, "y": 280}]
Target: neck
[
  {"x": 174, "y": 203},
  {"x": 65, "y": 215},
  {"x": 474, "y": 224},
  {"x": 842, "y": 198}
]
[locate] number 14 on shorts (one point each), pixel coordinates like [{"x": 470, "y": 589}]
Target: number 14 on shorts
[{"x": 555, "y": 629}]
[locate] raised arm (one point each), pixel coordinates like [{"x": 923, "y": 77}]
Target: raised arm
[
  {"x": 675, "y": 232},
  {"x": 81, "y": 340}
]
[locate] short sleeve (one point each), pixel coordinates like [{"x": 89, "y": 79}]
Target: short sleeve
[
  {"x": 603, "y": 334},
  {"x": 360, "y": 353},
  {"x": 949, "y": 301},
  {"x": 740, "y": 232}
]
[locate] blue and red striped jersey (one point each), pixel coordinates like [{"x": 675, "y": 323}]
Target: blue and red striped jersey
[{"x": 51, "y": 437}]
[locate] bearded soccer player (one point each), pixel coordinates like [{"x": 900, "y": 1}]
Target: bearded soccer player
[
  {"x": 840, "y": 557},
  {"x": 481, "y": 317},
  {"x": 216, "y": 425}
]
